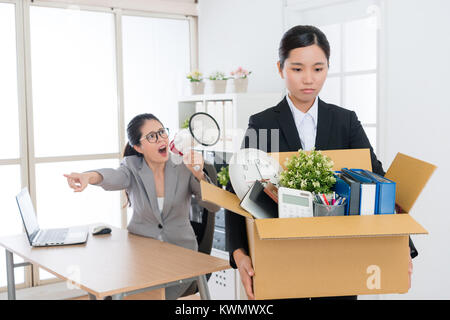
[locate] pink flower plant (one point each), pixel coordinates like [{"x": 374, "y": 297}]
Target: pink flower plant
[{"x": 240, "y": 73}]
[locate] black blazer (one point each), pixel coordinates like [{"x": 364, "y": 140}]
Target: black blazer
[{"x": 337, "y": 128}]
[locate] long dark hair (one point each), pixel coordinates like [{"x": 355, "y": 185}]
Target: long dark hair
[
  {"x": 134, "y": 138},
  {"x": 299, "y": 37}
]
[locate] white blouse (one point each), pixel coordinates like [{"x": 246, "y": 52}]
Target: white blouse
[
  {"x": 160, "y": 203},
  {"x": 306, "y": 123},
  {"x": 160, "y": 206}
]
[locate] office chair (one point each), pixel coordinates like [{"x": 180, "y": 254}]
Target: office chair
[{"x": 204, "y": 231}]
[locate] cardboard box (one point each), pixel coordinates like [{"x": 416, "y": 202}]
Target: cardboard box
[{"x": 334, "y": 256}]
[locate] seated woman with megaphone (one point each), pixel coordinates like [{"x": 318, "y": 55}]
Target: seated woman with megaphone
[{"x": 158, "y": 188}]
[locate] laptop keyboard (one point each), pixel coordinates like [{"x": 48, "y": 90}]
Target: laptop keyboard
[{"x": 55, "y": 235}]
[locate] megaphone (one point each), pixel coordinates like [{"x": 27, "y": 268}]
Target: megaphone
[{"x": 203, "y": 130}]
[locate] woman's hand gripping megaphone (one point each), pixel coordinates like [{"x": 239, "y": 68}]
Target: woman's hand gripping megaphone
[{"x": 182, "y": 145}]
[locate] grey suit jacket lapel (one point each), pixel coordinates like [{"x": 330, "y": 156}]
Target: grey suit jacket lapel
[{"x": 148, "y": 180}]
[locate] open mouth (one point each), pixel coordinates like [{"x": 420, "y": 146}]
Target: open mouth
[{"x": 163, "y": 150}]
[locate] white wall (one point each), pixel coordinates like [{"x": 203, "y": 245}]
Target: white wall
[
  {"x": 418, "y": 110},
  {"x": 416, "y": 107},
  {"x": 235, "y": 33}
]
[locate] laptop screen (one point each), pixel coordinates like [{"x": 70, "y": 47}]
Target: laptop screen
[{"x": 27, "y": 211}]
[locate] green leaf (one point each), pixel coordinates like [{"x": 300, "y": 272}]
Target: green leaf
[
  {"x": 185, "y": 123},
  {"x": 223, "y": 176}
]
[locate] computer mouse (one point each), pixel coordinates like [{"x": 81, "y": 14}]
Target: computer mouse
[{"x": 101, "y": 230}]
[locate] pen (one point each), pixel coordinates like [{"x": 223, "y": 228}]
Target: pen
[
  {"x": 317, "y": 198},
  {"x": 325, "y": 199},
  {"x": 338, "y": 201}
]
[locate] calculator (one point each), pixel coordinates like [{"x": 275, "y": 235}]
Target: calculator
[{"x": 293, "y": 203}]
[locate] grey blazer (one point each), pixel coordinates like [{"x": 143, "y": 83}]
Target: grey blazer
[{"x": 172, "y": 224}]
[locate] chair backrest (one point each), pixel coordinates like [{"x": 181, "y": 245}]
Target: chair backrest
[{"x": 204, "y": 230}]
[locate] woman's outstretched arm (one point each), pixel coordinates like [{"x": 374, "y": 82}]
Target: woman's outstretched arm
[
  {"x": 79, "y": 181},
  {"x": 109, "y": 179}
]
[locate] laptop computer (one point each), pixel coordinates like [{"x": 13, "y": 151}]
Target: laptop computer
[{"x": 45, "y": 237}]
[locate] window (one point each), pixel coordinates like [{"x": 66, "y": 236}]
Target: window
[
  {"x": 156, "y": 59},
  {"x": 11, "y": 223},
  {"x": 352, "y": 31},
  {"x": 62, "y": 112},
  {"x": 74, "y": 82},
  {"x": 10, "y": 165},
  {"x": 9, "y": 124},
  {"x": 74, "y": 112}
]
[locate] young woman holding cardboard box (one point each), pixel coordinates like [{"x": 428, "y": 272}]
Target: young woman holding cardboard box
[{"x": 304, "y": 121}]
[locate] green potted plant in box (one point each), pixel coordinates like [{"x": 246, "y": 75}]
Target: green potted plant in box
[
  {"x": 311, "y": 172},
  {"x": 218, "y": 81},
  {"x": 197, "y": 85}
]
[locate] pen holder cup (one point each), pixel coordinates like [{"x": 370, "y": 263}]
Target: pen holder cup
[{"x": 322, "y": 210}]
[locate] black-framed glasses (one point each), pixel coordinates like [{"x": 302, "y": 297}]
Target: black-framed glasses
[{"x": 152, "y": 136}]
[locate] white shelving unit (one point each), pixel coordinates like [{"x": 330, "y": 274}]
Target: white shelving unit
[
  {"x": 225, "y": 284},
  {"x": 231, "y": 111}
]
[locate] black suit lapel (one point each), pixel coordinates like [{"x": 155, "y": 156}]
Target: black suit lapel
[
  {"x": 287, "y": 126},
  {"x": 324, "y": 123}
]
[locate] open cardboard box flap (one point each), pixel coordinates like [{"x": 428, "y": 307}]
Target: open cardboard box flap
[
  {"x": 222, "y": 198},
  {"x": 410, "y": 174}
]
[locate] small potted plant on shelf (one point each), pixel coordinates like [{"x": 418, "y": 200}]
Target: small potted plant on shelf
[
  {"x": 197, "y": 85},
  {"x": 223, "y": 176},
  {"x": 240, "y": 77},
  {"x": 218, "y": 81},
  {"x": 186, "y": 123}
]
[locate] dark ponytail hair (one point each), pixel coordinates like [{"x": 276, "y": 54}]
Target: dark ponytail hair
[
  {"x": 130, "y": 151},
  {"x": 134, "y": 139},
  {"x": 299, "y": 37},
  {"x": 134, "y": 133}
]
